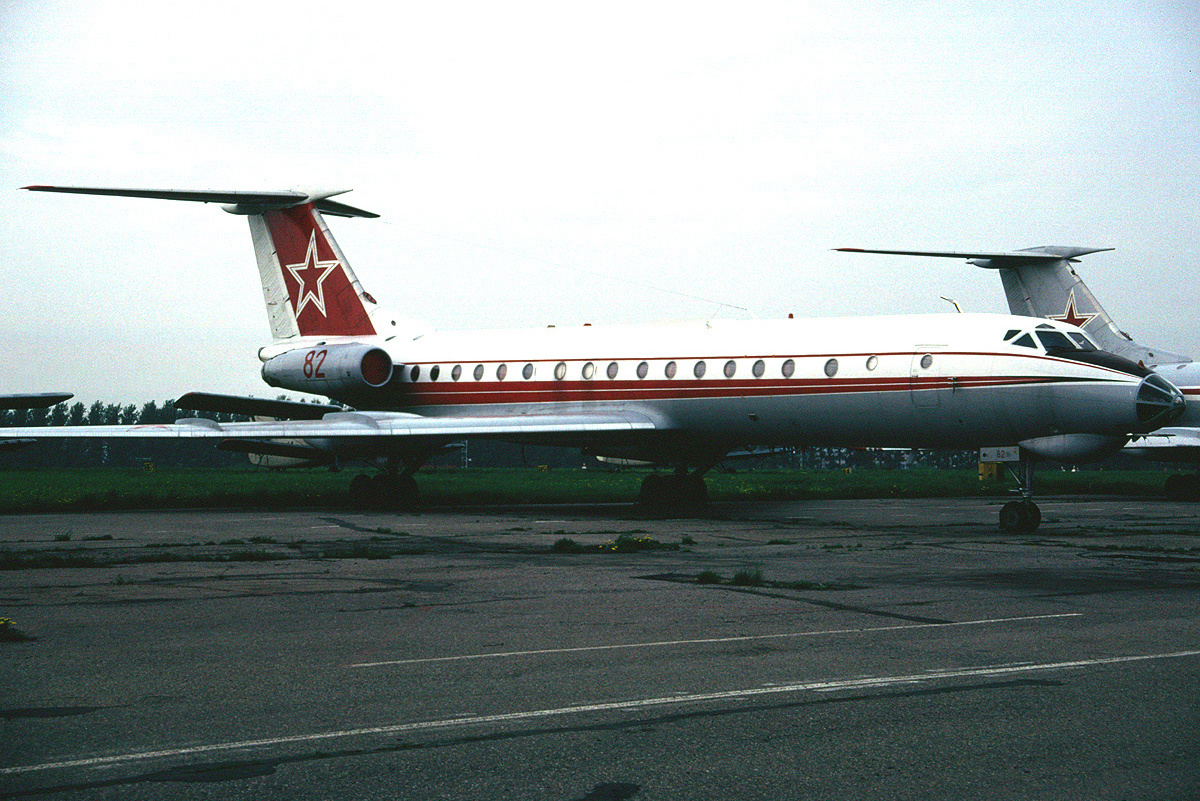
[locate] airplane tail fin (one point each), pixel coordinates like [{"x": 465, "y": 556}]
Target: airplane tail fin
[
  {"x": 308, "y": 286},
  {"x": 1040, "y": 282}
]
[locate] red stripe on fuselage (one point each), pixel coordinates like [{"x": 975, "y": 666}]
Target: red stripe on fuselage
[{"x": 521, "y": 391}]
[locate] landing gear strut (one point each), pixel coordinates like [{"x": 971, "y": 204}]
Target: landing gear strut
[
  {"x": 1022, "y": 516},
  {"x": 680, "y": 490}
]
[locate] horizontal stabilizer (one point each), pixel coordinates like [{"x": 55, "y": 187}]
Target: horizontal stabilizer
[
  {"x": 255, "y": 407},
  {"x": 1016, "y": 258},
  {"x": 38, "y": 400},
  {"x": 236, "y": 202}
]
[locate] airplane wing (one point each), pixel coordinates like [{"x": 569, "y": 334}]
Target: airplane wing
[
  {"x": 359, "y": 425},
  {"x": 254, "y": 407},
  {"x": 1167, "y": 445},
  {"x": 39, "y": 400}
]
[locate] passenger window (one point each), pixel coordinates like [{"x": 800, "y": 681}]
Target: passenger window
[
  {"x": 1025, "y": 341},
  {"x": 698, "y": 370},
  {"x": 872, "y": 362},
  {"x": 416, "y": 372},
  {"x": 560, "y": 371},
  {"x": 789, "y": 367},
  {"x": 456, "y": 373},
  {"x": 612, "y": 369},
  {"x": 643, "y": 369},
  {"x": 926, "y": 361},
  {"x": 759, "y": 368},
  {"x": 589, "y": 370},
  {"x": 501, "y": 372},
  {"x": 434, "y": 372},
  {"x": 479, "y": 372},
  {"x": 669, "y": 370},
  {"x": 730, "y": 368},
  {"x": 527, "y": 372},
  {"x": 831, "y": 368}
]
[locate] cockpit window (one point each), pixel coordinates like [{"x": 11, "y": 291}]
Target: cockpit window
[
  {"x": 1012, "y": 332},
  {"x": 1052, "y": 340},
  {"x": 1025, "y": 341},
  {"x": 1082, "y": 341}
]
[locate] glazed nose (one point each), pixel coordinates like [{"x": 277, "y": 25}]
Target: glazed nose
[{"x": 1158, "y": 402}]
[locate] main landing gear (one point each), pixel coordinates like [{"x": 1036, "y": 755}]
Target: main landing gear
[
  {"x": 395, "y": 488},
  {"x": 1023, "y": 516},
  {"x": 679, "y": 491},
  {"x": 1183, "y": 487}
]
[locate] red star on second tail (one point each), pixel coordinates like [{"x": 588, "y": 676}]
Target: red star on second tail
[{"x": 1071, "y": 315}]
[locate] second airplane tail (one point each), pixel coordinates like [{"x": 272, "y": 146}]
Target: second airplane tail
[{"x": 1040, "y": 282}]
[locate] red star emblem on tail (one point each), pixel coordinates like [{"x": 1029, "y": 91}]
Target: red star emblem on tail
[
  {"x": 310, "y": 274},
  {"x": 1071, "y": 315}
]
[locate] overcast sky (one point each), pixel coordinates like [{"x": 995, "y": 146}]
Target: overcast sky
[{"x": 564, "y": 163}]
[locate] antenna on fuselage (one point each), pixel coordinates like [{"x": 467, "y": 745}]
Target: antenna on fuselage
[{"x": 952, "y": 300}]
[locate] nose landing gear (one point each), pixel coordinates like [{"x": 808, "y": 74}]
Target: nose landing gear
[{"x": 1023, "y": 516}]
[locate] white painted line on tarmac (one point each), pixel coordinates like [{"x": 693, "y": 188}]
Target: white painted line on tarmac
[
  {"x": 707, "y": 641},
  {"x": 645, "y": 703}
]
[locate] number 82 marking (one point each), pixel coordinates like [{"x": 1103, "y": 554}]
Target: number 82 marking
[{"x": 312, "y": 363}]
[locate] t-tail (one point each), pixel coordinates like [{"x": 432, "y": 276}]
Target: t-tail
[
  {"x": 1040, "y": 282},
  {"x": 309, "y": 288}
]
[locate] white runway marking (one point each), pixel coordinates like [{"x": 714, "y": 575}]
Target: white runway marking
[
  {"x": 708, "y": 641},
  {"x": 474, "y": 720}
]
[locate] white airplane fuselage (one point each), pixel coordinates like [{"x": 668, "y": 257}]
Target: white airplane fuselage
[{"x": 928, "y": 381}]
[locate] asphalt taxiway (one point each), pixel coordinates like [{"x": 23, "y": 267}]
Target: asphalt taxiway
[{"x": 897, "y": 649}]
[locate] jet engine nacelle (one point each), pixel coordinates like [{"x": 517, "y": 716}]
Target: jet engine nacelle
[
  {"x": 1075, "y": 448},
  {"x": 331, "y": 370}
]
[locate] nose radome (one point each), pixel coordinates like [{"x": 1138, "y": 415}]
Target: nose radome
[{"x": 1158, "y": 402}]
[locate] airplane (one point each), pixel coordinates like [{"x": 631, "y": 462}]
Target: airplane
[
  {"x": 1041, "y": 282},
  {"x": 680, "y": 395},
  {"x": 29, "y": 400}
]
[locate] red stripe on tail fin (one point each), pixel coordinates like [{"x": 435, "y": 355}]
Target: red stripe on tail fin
[{"x": 321, "y": 289}]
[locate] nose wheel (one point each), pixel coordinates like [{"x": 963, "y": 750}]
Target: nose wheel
[
  {"x": 1020, "y": 517},
  {"x": 1023, "y": 516}
]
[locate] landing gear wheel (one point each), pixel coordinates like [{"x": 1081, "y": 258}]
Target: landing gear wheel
[
  {"x": 1183, "y": 487},
  {"x": 1191, "y": 486},
  {"x": 654, "y": 491},
  {"x": 692, "y": 490},
  {"x": 1020, "y": 517},
  {"x": 361, "y": 494},
  {"x": 673, "y": 492}
]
